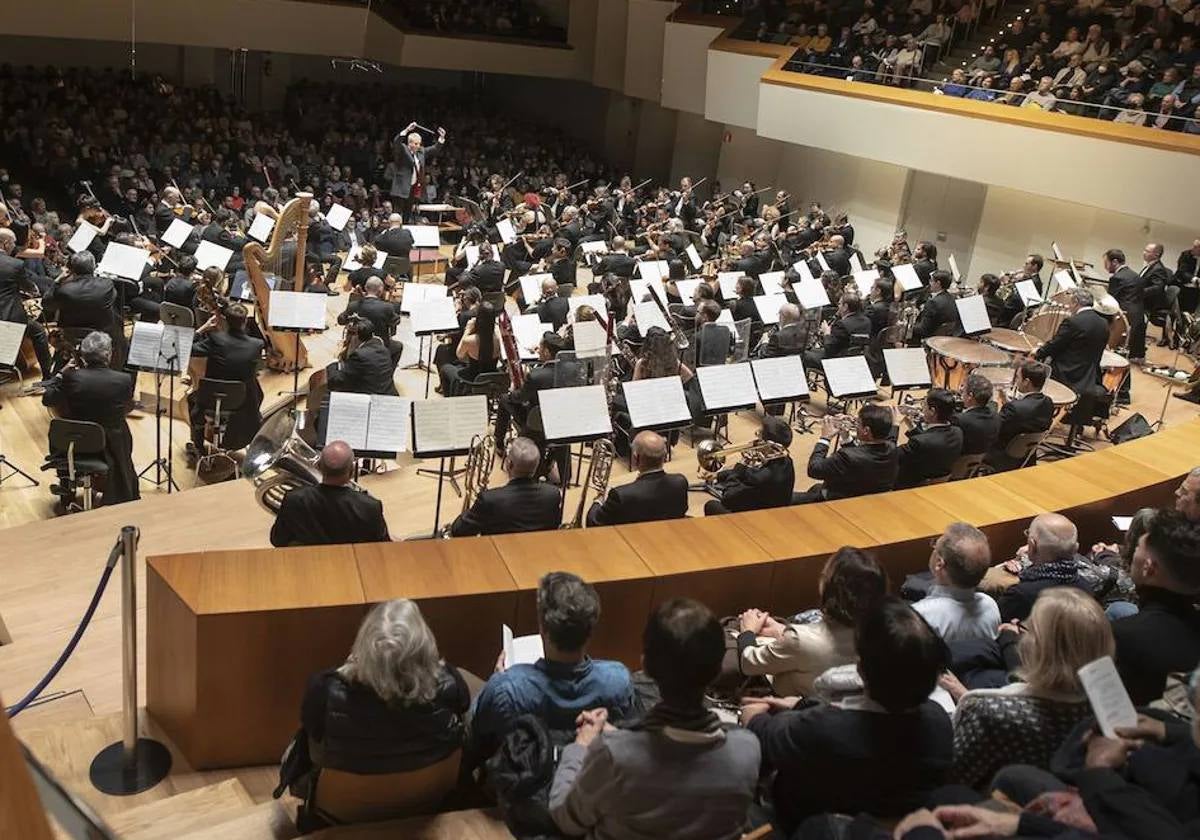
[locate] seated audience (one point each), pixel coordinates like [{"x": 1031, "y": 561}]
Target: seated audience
[
  {"x": 331, "y": 512},
  {"x": 679, "y": 773},
  {"x": 868, "y": 465},
  {"x": 953, "y": 606},
  {"x": 654, "y": 494},
  {"x": 1051, "y": 548},
  {"x": 524, "y": 504}
]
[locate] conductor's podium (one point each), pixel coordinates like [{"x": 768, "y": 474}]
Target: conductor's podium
[{"x": 232, "y": 636}]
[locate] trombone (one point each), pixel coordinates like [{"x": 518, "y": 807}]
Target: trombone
[
  {"x": 477, "y": 473},
  {"x": 599, "y": 471}
]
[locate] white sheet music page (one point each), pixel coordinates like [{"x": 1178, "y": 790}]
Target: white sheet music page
[
  {"x": 801, "y": 268},
  {"x": 856, "y": 263},
  {"x": 575, "y": 413},
  {"x": 727, "y": 281},
  {"x": 160, "y": 347},
  {"x": 811, "y": 293},
  {"x": 907, "y": 277},
  {"x": 591, "y": 340},
  {"x": 645, "y": 290},
  {"x": 907, "y": 367},
  {"x": 424, "y": 236},
  {"x": 352, "y": 259},
  {"x": 123, "y": 261},
  {"x": 261, "y": 228},
  {"x": 1057, "y": 253},
  {"x": 11, "y": 336},
  {"x": 528, "y": 331},
  {"x": 415, "y": 293},
  {"x": 448, "y": 425},
  {"x": 687, "y": 289},
  {"x": 531, "y": 287},
  {"x": 780, "y": 378},
  {"x": 471, "y": 252},
  {"x": 337, "y": 216},
  {"x": 177, "y": 233},
  {"x": 654, "y": 270},
  {"x": 348, "y": 419},
  {"x": 772, "y": 282},
  {"x": 656, "y": 402},
  {"x": 694, "y": 256},
  {"x": 865, "y": 280},
  {"x": 768, "y": 307},
  {"x": 954, "y": 272},
  {"x": 849, "y": 376},
  {"x": 597, "y": 302},
  {"x": 726, "y": 318},
  {"x": 598, "y": 246},
  {"x": 210, "y": 254},
  {"x": 296, "y": 311},
  {"x": 434, "y": 316},
  {"x": 388, "y": 427},
  {"x": 973, "y": 314},
  {"x": 727, "y": 386},
  {"x": 1064, "y": 280},
  {"x": 508, "y": 233},
  {"x": 176, "y": 348},
  {"x": 1105, "y": 691},
  {"x": 649, "y": 315},
  {"x": 1028, "y": 292},
  {"x": 82, "y": 237},
  {"x": 821, "y": 261},
  {"x": 144, "y": 345}
]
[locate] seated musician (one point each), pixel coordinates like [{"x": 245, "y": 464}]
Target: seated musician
[
  {"x": 396, "y": 241},
  {"x": 787, "y": 338},
  {"x": 559, "y": 262},
  {"x": 867, "y": 465},
  {"x": 989, "y": 288},
  {"x": 487, "y": 275},
  {"x": 879, "y": 309},
  {"x": 714, "y": 343},
  {"x": 466, "y": 304},
  {"x": 659, "y": 357},
  {"x": 81, "y": 299},
  {"x": 550, "y": 308},
  {"x": 514, "y": 407},
  {"x": 852, "y": 330},
  {"x": 978, "y": 420},
  {"x": 367, "y": 270},
  {"x": 331, "y": 512},
  {"x": 1031, "y": 270},
  {"x": 368, "y": 367},
  {"x": 939, "y": 315},
  {"x": 478, "y": 352},
  {"x": 233, "y": 356},
  {"x": 382, "y": 314},
  {"x": 1027, "y": 411},
  {"x": 524, "y": 504},
  {"x": 703, "y": 292},
  {"x": 933, "y": 444},
  {"x": 180, "y": 289},
  {"x": 617, "y": 261},
  {"x": 95, "y": 393},
  {"x": 13, "y": 279},
  {"x": 653, "y": 495},
  {"x": 754, "y": 488},
  {"x": 743, "y": 307}
]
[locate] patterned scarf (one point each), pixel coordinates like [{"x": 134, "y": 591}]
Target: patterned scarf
[{"x": 1062, "y": 570}]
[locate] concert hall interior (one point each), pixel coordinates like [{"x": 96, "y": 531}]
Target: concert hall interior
[{"x": 599, "y": 418}]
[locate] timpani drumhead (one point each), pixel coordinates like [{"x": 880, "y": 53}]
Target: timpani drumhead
[
  {"x": 1013, "y": 341},
  {"x": 967, "y": 350}
]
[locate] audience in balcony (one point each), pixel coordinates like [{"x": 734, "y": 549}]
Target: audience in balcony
[{"x": 499, "y": 18}]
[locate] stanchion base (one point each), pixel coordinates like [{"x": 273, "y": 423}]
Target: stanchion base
[{"x": 110, "y": 775}]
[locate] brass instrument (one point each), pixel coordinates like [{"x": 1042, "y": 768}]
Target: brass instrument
[
  {"x": 598, "y": 474},
  {"x": 711, "y": 455},
  {"x": 477, "y": 472},
  {"x": 279, "y": 461}
]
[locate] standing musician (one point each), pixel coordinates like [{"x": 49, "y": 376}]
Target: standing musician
[
  {"x": 12, "y": 279},
  {"x": 978, "y": 420},
  {"x": 331, "y": 512},
  {"x": 524, "y": 504},
  {"x": 410, "y": 158},
  {"x": 382, "y": 314},
  {"x": 939, "y": 315},
  {"x": 95, "y": 393},
  {"x": 1076, "y": 349},
  {"x": 1028, "y": 411},
  {"x": 1129, "y": 289},
  {"x": 232, "y": 356},
  {"x": 1187, "y": 275},
  {"x": 933, "y": 444},
  {"x": 81, "y": 299},
  {"x": 550, "y": 308},
  {"x": 770, "y": 485},
  {"x": 654, "y": 495},
  {"x": 867, "y": 466},
  {"x": 1161, "y": 293}
]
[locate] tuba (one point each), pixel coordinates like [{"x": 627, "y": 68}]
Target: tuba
[
  {"x": 477, "y": 473},
  {"x": 599, "y": 470},
  {"x": 711, "y": 455},
  {"x": 279, "y": 461}
]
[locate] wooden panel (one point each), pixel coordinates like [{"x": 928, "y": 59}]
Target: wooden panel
[
  {"x": 171, "y": 666},
  {"x": 900, "y": 525},
  {"x": 1172, "y": 452},
  {"x": 21, "y": 813},
  {"x": 999, "y": 513}
]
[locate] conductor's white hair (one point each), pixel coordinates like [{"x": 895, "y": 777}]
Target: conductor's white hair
[
  {"x": 395, "y": 654},
  {"x": 96, "y": 348},
  {"x": 414, "y": 136}
]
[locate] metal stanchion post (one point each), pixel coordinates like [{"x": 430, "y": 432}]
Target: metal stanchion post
[{"x": 132, "y": 764}]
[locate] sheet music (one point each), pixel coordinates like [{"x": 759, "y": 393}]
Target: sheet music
[
  {"x": 472, "y": 254},
  {"x": 177, "y": 233},
  {"x": 348, "y": 419},
  {"x": 907, "y": 367},
  {"x": 727, "y": 386},
  {"x": 1028, "y": 292},
  {"x": 687, "y": 289},
  {"x": 448, "y": 425},
  {"x": 780, "y": 378},
  {"x": 337, "y": 216},
  {"x": 954, "y": 269},
  {"x": 772, "y": 282},
  {"x": 261, "y": 228},
  {"x": 425, "y": 236},
  {"x": 856, "y": 263},
  {"x": 123, "y": 261},
  {"x": 531, "y": 287},
  {"x": 1064, "y": 280},
  {"x": 352, "y": 259},
  {"x": 591, "y": 340},
  {"x": 865, "y": 280},
  {"x": 768, "y": 307},
  {"x": 849, "y": 376},
  {"x": 597, "y": 302},
  {"x": 654, "y": 270},
  {"x": 212, "y": 254},
  {"x": 528, "y": 331},
  {"x": 415, "y": 293},
  {"x": 727, "y": 280},
  {"x": 1057, "y": 253},
  {"x": 649, "y": 315},
  {"x": 907, "y": 277},
  {"x": 82, "y": 237},
  {"x": 641, "y": 290},
  {"x": 520, "y": 650},
  {"x": 11, "y": 336},
  {"x": 973, "y": 314},
  {"x": 1105, "y": 691},
  {"x": 575, "y": 413},
  {"x": 726, "y": 318},
  {"x": 296, "y": 311},
  {"x": 801, "y": 268},
  {"x": 508, "y": 233},
  {"x": 387, "y": 430},
  {"x": 822, "y": 262},
  {"x": 811, "y": 293},
  {"x": 598, "y": 246},
  {"x": 1122, "y": 522},
  {"x": 694, "y": 256},
  {"x": 655, "y": 403},
  {"x": 434, "y": 316},
  {"x": 160, "y": 347}
]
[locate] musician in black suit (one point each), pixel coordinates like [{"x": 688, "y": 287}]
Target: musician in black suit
[
  {"x": 988, "y": 289},
  {"x": 879, "y": 307},
  {"x": 12, "y": 280},
  {"x": 617, "y": 261},
  {"x": 978, "y": 420},
  {"x": 524, "y": 504},
  {"x": 232, "y": 356},
  {"x": 867, "y": 466},
  {"x": 550, "y": 308},
  {"x": 487, "y": 275},
  {"x": 81, "y": 299},
  {"x": 171, "y": 207},
  {"x": 97, "y": 394},
  {"x": 653, "y": 495},
  {"x": 1162, "y": 293},
  {"x": 1028, "y": 411},
  {"x": 1031, "y": 271},
  {"x": 382, "y": 314},
  {"x": 838, "y": 258},
  {"x": 396, "y": 241},
  {"x": 754, "y": 488},
  {"x": 516, "y": 404},
  {"x": 749, "y": 261},
  {"x": 1129, "y": 289},
  {"x": 939, "y": 315},
  {"x": 789, "y": 337},
  {"x": 852, "y": 330},
  {"x": 925, "y": 261},
  {"x": 1076, "y": 349},
  {"x": 933, "y": 445},
  {"x": 1187, "y": 277},
  {"x": 410, "y": 157},
  {"x": 331, "y": 512},
  {"x": 367, "y": 256},
  {"x": 369, "y": 368}
]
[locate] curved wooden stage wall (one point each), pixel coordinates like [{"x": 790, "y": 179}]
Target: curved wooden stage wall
[{"x": 233, "y": 635}]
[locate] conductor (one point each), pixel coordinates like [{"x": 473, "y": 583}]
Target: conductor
[{"x": 409, "y": 172}]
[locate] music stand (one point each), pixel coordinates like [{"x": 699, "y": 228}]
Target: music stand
[
  {"x": 848, "y": 379},
  {"x": 781, "y": 381},
  {"x": 432, "y": 318},
  {"x": 299, "y": 313},
  {"x": 908, "y": 370},
  {"x": 656, "y": 405},
  {"x": 725, "y": 389},
  {"x": 454, "y": 416},
  {"x": 5, "y": 461},
  {"x": 176, "y": 319},
  {"x": 573, "y": 415}
]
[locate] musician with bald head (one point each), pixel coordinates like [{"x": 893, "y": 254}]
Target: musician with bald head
[
  {"x": 383, "y": 314},
  {"x": 396, "y": 241},
  {"x": 524, "y": 504},
  {"x": 333, "y": 511},
  {"x": 655, "y": 494},
  {"x": 170, "y": 207}
]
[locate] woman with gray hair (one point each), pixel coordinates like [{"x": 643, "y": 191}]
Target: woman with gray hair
[{"x": 393, "y": 707}]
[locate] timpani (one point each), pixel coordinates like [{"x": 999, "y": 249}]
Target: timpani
[
  {"x": 1013, "y": 341},
  {"x": 952, "y": 359},
  {"x": 1113, "y": 370}
]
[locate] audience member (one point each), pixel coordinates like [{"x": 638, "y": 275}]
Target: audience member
[
  {"x": 1053, "y": 542},
  {"x": 953, "y": 607}
]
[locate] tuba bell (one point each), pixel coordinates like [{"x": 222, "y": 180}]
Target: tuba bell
[{"x": 278, "y": 461}]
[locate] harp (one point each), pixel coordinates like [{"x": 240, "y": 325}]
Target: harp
[{"x": 280, "y": 265}]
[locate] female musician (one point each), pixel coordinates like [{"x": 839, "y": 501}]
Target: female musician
[
  {"x": 658, "y": 358},
  {"x": 466, "y": 301},
  {"x": 478, "y": 352}
]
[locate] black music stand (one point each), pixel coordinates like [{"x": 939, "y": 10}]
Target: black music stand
[
  {"x": 742, "y": 402},
  {"x": 901, "y": 379},
  {"x": 282, "y": 324},
  {"x": 179, "y": 318},
  {"x": 681, "y": 420}
]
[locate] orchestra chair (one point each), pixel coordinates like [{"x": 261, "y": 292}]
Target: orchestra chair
[
  {"x": 77, "y": 454},
  {"x": 398, "y": 268},
  {"x": 1020, "y": 450},
  {"x": 712, "y": 344},
  {"x": 888, "y": 337},
  {"x": 492, "y": 385},
  {"x": 565, "y": 290},
  {"x": 966, "y": 466},
  {"x": 741, "y": 345},
  {"x": 1092, "y": 409},
  {"x": 175, "y": 315},
  {"x": 361, "y": 798},
  {"x": 220, "y": 399}
]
